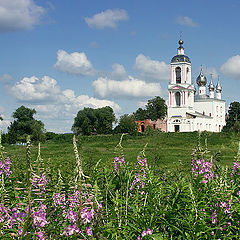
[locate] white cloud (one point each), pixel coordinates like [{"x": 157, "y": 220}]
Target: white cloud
[
  {"x": 118, "y": 71},
  {"x": 51, "y": 102},
  {"x": 131, "y": 87},
  {"x": 151, "y": 68},
  {"x": 186, "y": 21},
  {"x": 6, "y": 78},
  {"x": 231, "y": 67},
  {"x": 74, "y": 63},
  {"x": 108, "y": 18},
  {"x": 34, "y": 89},
  {"x": 19, "y": 15},
  {"x": 142, "y": 104},
  {"x": 5, "y": 122}
]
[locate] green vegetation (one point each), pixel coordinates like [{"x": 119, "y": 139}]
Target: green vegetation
[
  {"x": 163, "y": 150},
  {"x": 233, "y": 118},
  {"x": 127, "y": 195},
  {"x": 127, "y": 124},
  {"x": 91, "y": 120},
  {"x": 156, "y": 108},
  {"x": 24, "y": 125}
]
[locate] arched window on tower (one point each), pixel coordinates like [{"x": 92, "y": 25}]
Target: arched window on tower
[
  {"x": 178, "y": 99},
  {"x": 178, "y": 74},
  {"x": 187, "y": 75}
]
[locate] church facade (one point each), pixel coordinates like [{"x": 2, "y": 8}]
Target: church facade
[{"x": 190, "y": 109}]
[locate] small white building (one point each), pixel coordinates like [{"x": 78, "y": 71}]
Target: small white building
[{"x": 190, "y": 110}]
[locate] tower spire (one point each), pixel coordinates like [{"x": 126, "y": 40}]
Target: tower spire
[
  {"x": 218, "y": 90},
  {"x": 180, "y": 48},
  {"x": 211, "y": 87}
]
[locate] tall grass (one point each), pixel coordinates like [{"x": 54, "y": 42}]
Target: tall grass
[{"x": 128, "y": 200}]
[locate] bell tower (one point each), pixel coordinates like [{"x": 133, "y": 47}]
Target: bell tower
[{"x": 180, "y": 88}]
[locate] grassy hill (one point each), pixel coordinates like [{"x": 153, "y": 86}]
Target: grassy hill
[{"x": 163, "y": 151}]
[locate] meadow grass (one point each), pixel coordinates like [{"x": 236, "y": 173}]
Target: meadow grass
[
  {"x": 164, "y": 150},
  {"x": 160, "y": 187}
]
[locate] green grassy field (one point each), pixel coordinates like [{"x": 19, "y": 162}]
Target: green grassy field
[{"x": 163, "y": 150}]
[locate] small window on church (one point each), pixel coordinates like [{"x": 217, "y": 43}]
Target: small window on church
[
  {"x": 203, "y": 113},
  {"x": 210, "y": 114},
  {"x": 178, "y": 74}
]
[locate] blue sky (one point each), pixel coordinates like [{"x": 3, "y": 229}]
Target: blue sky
[{"x": 61, "y": 56}]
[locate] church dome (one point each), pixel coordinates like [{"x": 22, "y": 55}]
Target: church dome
[
  {"x": 180, "y": 58},
  {"x": 211, "y": 86},
  {"x": 201, "y": 79},
  {"x": 218, "y": 87}
]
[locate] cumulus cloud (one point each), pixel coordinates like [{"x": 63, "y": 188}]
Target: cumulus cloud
[
  {"x": 45, "y": 95},
  {"x": 231, "y": 67},
  {"x": 5, "y": 122},
  {"x": 34, "y": 89},
  {"x": 152, "y": 69},
  {"x": 18, "y": 15},
  {"x": 74, "y": 63},
  {"x": 118, "y": 71},
  {"x": 107, "y": 19},
  {"x": 6, "y": 78},
  {"x": 131, "y": 88},
  {"x": 185, "y": 20}
]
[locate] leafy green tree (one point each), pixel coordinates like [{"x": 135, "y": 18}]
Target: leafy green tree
[
  {"x": 141, "y": 114},
  {"x": 24, "y": 124},
  {"x": 156, "y": 108},
  {"x": 127, "y": 124},
  {"x": 91, "y": 120},
  {"x": 233, "y": 117}
]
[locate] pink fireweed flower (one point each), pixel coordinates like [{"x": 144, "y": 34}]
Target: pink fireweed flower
[
  {"x": 86, "y": 215},
  {"x": 40, "y": 235},
  {"x": 146, "y": 232},
  {"x": 202, "y": 168},
  {"x": 118, "y": 163},
  {"x": 40, "y": 182},
  {"x": 5, "y": 168},
  {"x": 89, "y": 231},
  {"x": 236, "y": 168},
  {"x": 72, "y": 216},
  {"x": 71, "y": 229},
  {"x": 39, "y": 217},
  {"x": 59, "y": 200}
]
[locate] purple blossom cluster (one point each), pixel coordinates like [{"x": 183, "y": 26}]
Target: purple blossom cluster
[
  {"x": 80, "y": 218},
  {"x": 118, "y": 163},
  {"x": 202, "y": 168},
  {"x": 5, "y": 165},
  {"x": 236, "y": 169},
  {"x": 40, "y": 182},
  {"x": 16, "y": 217},
  {"x": 145, "y": 233},
  {"x": 139, "y": 181},
  {"x": 12, "y": 217},
  {"x": 226, "y": 207}
]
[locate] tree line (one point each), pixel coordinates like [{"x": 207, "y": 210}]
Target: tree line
[{"x": 89, "y": 121}]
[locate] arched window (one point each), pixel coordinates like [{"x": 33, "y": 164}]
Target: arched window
[
  {"x": 178, "y": 74},
  {"x": 187, "y": 74},
  {"x": 178, "y": 98}
]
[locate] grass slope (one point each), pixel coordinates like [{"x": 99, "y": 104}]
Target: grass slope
[{"x": 163, "y": 151}]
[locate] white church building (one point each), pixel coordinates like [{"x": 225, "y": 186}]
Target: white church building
[{"x": 190, "y": 110}]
